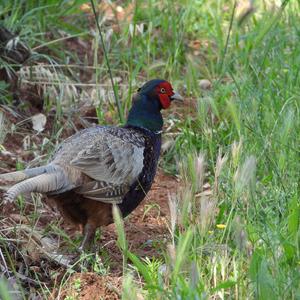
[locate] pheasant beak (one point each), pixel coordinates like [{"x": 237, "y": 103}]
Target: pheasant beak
[{"x": 176, "y": 96}]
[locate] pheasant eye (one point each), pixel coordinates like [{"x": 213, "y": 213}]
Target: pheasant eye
[{"x": 163, "y": 90}]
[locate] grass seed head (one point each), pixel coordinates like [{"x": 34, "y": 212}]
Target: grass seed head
[{"x": 245, "y": 175}]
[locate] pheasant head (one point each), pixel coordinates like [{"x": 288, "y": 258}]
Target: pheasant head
[{"x": 152, "y": 97}]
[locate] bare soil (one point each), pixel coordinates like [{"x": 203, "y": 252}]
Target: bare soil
[{"x": 91, "y": 286}]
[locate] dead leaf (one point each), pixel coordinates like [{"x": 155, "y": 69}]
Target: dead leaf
[
  {"x": 85, "y": 7},
  {"x": 38, "y": 122},
  {"x": 196, "y": 44}
]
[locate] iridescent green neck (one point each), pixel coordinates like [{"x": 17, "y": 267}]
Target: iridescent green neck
[{"x": 145, "y": 113}]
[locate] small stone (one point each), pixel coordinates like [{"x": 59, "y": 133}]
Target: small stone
[{"x": 205, "y": 84}]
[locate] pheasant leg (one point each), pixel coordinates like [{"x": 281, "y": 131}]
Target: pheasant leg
[{"x": 88, "y": 236}]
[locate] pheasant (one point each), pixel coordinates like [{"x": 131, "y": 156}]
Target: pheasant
[{"x": 102, "y": 166}]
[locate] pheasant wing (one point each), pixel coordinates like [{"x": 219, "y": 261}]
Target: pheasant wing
[
  {"x": 112, "y": 163},
  {"x": 103, "y": 191}
]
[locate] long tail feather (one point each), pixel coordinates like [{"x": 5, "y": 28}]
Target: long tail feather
[
  {"x": 27, "y": 173},
  {"x": 43, "y": 183}
]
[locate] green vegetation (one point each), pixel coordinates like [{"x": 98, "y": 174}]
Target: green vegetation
[{"x": 240, "y": 238}]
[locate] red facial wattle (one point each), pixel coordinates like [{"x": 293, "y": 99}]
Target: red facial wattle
[
  {"x": 165, "y": 91},
  {"x": 165, "y": 100}
]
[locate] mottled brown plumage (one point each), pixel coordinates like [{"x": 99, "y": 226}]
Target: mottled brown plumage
[{"x": 87, "y": 213}]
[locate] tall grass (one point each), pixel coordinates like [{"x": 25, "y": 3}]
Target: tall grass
[
  {"x": 240, "y": 238},
  {"x": 248, "y": 247}
]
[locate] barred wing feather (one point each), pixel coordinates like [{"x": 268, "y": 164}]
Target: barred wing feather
[{"x": 112, "y": 163}]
